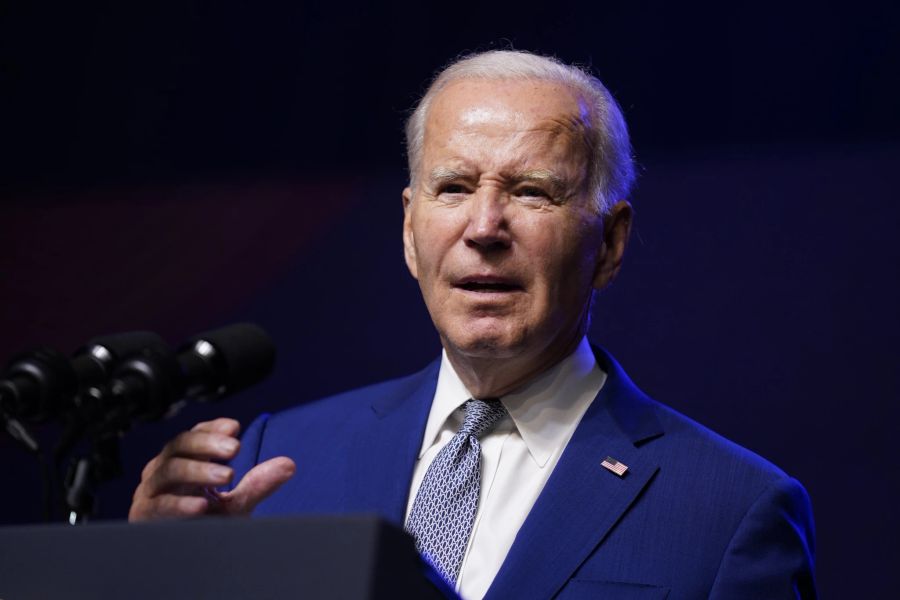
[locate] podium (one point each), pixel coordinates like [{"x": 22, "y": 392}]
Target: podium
[{"x": 346, "y": 557}]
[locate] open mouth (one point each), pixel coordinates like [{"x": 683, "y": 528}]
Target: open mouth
[
  {"x": 473, "y": 286},
  {"x": 488, "y": 285}
]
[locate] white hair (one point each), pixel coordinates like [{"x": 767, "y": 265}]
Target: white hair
[{"x": 610, "y": 164}]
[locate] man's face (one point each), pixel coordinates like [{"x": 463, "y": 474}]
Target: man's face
[{"x": 500, "y": 232}]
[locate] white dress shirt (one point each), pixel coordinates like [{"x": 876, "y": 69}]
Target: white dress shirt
[{"x": 518, "y": 455}]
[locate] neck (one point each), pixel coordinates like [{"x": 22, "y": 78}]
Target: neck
[{"x": 494, "y": 377}]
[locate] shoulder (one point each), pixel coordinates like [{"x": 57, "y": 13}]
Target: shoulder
[
  {"x": 701, "y": 448},
  {"x": 681, "y": 445},
  {"x": 704, "y": 470},
  {"x": 757, "y": 519},
  {"x": 749, "y": 520}
]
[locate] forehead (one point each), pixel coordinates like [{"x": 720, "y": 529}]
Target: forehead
[
  {"x": 505, "y": 120},
  {"x": 522, "y": 101}
]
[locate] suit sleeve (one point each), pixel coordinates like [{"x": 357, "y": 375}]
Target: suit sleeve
[
  {"x": 771, "y": 552},
  {"x": 251, "y": 443}
]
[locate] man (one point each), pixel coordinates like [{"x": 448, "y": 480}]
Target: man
[{"x": 524, "y": 462}]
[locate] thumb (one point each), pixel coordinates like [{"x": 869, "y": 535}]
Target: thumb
[{"x": 259, "y": 483}]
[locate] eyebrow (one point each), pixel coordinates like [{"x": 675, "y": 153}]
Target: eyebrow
[
  {"x": 550, "y": 178},
  {"x": 444, "y": 174}
]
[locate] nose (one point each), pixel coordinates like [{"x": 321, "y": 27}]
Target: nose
[{"x": 488, "y": 223}]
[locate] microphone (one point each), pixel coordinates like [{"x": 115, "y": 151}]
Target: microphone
[
  {"x": 115, "y": 377},
  {"x": 95, "y": 362},
  {"x": 43, "y": 383},
  {"x": 36, "y": 384},
  {"x": 209, "y": 366},
  {"x": 226, "y": 360}
]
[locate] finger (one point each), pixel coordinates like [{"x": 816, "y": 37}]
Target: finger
[
  {"x": 168, "y": 506},
  {"x": 221, "y": 425},
  {"x": 259, "y": 483},
  {"x": 151, "y": 466},
  {"x": 179, "y": 472},
  {"x": 210, "y": 439},
  {"x": 201, "y": 445}
]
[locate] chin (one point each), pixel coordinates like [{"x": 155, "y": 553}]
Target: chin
[{"x": 487, "y": 342}]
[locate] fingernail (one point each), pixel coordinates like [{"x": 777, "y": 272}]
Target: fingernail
[
  {"x": 219, "y": 472},
  {"x": 228, "y": 445}
]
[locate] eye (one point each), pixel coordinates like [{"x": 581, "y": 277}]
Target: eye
[
  {"x": 533, "y": 195},
  {"x": 452, "y": 188},
  {"x": 531, "y": 191},
  {"x": 451, "y": 193}
]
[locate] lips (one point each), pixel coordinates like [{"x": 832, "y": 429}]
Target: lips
[{"x": 488, "y": 284}]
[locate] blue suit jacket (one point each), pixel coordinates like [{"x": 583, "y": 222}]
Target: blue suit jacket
[{"x": 695, "y": 515}]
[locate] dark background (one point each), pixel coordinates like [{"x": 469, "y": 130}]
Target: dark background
[{"x": 182, "y": 165}]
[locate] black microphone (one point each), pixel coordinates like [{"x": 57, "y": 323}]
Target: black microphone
[
  {"x": 209, "y": 366},
  {"x": 37, "y": 384},
  {"x": 95, "y": 362},
  {"x": 226, "y": 360},
  {"x": 44, "y": 383}
]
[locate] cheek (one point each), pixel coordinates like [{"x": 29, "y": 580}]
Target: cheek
[
  {"x": 562, "y": 254},
  {"x": 431, "y": 242},
  {"x": 548, "y": 243}
]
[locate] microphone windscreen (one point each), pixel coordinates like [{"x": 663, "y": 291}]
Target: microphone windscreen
[{"x": 244, "y": 352}]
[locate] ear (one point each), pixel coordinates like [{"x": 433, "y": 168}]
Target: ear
[
  {"x": 409, "y": 239},
  {"x": 616, "y": 230}
]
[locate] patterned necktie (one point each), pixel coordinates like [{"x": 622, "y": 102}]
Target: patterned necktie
[{"x": 443, "y": 512}]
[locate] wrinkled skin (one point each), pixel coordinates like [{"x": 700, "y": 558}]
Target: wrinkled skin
[
  {"x": 179, "y": 481},
  {"x": 501, "y": 233}
]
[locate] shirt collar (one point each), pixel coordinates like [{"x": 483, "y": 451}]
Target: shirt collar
[{"x": 545, "y": 411}]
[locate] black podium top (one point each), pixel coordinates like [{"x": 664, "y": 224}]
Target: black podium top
[{"x": 305, "y": 557}]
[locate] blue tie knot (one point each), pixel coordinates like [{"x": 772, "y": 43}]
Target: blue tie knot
[{"x": 481, "y": 416}]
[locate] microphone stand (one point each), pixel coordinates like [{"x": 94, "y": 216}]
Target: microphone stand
[
  {"x": 103, "y": 463},
  {"x": 144, "y": 386},
  {"x": 20, "y": 434}
]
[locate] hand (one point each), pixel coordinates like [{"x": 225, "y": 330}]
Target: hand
[{"x": 180, "y": 480}]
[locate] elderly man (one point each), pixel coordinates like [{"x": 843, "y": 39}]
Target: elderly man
[{"x": 524, "y": 462}]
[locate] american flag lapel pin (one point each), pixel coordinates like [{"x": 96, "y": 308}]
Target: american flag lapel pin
[{"x": 611, "y": 464}]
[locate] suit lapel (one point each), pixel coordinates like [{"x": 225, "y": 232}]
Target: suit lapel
[
  {"x": 582, "y": 500},
  {"x": 387, "y": 450}
]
